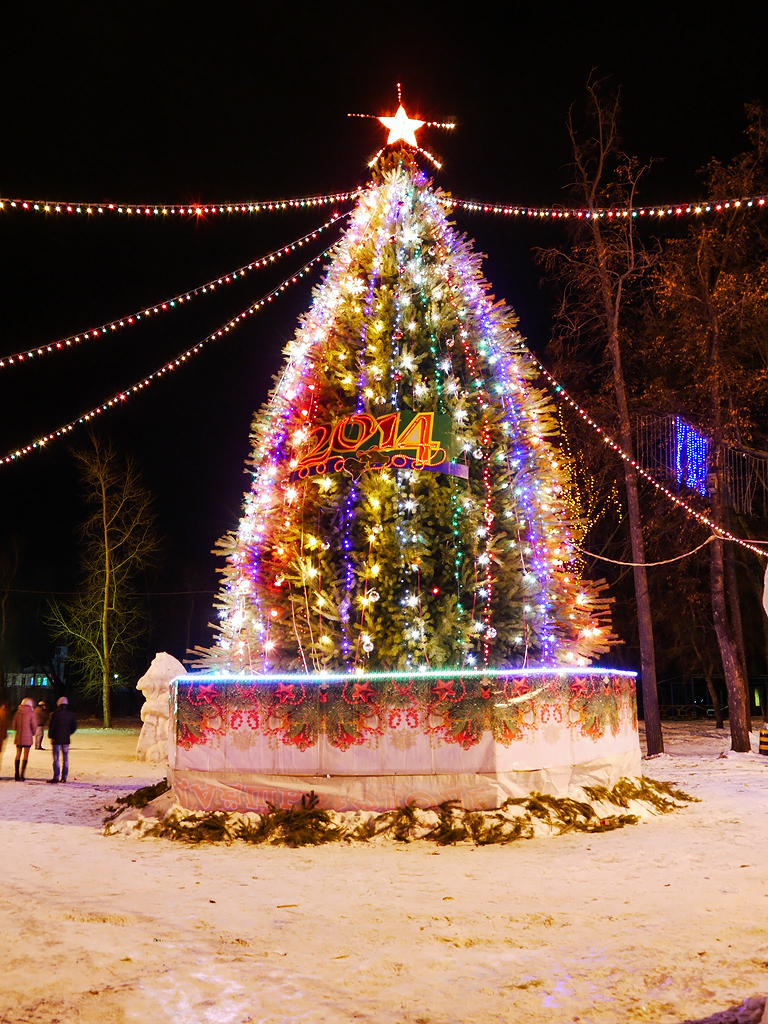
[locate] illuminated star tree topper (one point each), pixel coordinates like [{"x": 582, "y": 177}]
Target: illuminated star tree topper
[{"x": 403, "y": 128}]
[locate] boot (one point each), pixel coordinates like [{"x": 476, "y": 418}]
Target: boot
[
  {"x": 16, "y": 777},
  {"x": 23, "y": 769}
]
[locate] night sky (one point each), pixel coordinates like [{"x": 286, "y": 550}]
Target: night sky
[{"x": 232, "y": 102}]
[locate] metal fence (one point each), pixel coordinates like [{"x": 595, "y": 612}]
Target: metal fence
[{"x": 670, "y": 448}]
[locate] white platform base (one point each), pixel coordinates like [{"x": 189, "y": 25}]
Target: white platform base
[{"x": 240, "y": 791}]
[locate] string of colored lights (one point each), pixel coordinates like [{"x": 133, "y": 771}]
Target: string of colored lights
[
  {"x": 168, "y": 304},
  {"x": 561, "y": 393},
  {"x": 179, "y": 209},
  {"x": 657, "y": 211},
  {"x": 123, "y": 396},
  {"x": 400, "y": 243},
  {"x": 543, "y": 213}
]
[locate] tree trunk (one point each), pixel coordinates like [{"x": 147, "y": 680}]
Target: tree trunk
[
  {"x": 651, "y": 714},
  {"x": 107, "y": 712},
  {"x": 719, "y": 721},
  {"x": 734, "y": 669},
  {"x": 732, "y": 665},
  {"x": 734, "y": 609},
  {"x": 612, "y": 305},
  {"x": 755, "y": 569},
  {"x": 706, "y": 668}
]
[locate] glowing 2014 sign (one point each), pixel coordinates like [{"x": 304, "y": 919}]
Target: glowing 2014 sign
[{"x": 399, "y": 440}]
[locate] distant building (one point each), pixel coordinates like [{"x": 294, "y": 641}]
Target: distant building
[{"x": 27, "y": 677}]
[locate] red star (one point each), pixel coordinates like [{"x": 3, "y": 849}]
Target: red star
[
  {"x": 284, "y": 691},
  {"x": 206, "y": 692},
  {"x": 521, "y": 687},
  {"x": 362, "y": 691},
  {"x": 444, "y": 688},
  {"x": 581, "y": 686},
  {"x": 465, "y": 738}
]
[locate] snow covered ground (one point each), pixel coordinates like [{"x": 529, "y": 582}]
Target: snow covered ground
[{"x": 666, "y": 921}]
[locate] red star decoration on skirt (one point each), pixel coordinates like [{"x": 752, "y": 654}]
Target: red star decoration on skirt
[
  {"x": 362, "y": 691},
  {"x": 284, "y": 691},
  {"x": 443, "y": 688}
]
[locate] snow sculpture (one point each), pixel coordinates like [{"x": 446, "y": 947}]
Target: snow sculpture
[{"x": 155, "y": 684}]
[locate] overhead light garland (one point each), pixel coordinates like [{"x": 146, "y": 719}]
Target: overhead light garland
[
  {"x": 168, "y": 304},
  {"x": 562, "y": 394},
  {"x": 178, "y": 209},
  {"x": 123, "y": 396},
  {"x": 651, "y": 211},
  {"x": 618, "y": 213}
]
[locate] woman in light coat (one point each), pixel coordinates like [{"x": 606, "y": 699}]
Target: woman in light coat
[{"x": 25, "y": 724}]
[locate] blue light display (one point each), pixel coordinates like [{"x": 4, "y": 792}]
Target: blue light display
[{"x": 691, "y": 457}]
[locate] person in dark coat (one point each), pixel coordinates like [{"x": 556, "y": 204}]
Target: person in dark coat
[
  {"x": 24, "y": 724},
  {"x": 41, "y": 717},
  {"x": 63, "y": 724}
]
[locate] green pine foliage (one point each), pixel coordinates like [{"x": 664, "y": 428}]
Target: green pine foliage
[
  {"x": 368, "y": 565},
  {"x": 306, "y": 824}
]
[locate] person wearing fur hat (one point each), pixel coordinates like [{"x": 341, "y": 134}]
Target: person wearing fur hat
[
  {"x": 63, "y": 724},
  {"x": 25, "y": 724}
]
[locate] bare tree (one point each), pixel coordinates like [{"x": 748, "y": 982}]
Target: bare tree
[
  {"x": 605, "y": 259},
  {"x": 711, "y": 290},
  {"x": 103, "y": 624},
  {"x": 705, "y": 293}
]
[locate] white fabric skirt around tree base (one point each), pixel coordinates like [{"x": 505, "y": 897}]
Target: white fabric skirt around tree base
[
  {"x": 379, "y": 741},
  {"x": 475, "y": 791}
]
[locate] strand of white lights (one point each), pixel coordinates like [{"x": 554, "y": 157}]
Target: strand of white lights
[
  {"x": 424, "y": 124},
  {"x": 182, "y": 209},
  {"x": 609, "y": 213},
  {"x": 607, "y": 439},
  {"x": 424, "y": 152},
  {"x": 173, "y": 303},
  {"x": 123, "y": 396},
  {"x": 429, "y": 156}
]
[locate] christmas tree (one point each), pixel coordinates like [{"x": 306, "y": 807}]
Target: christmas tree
[{"x": 411, "y": 506}]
